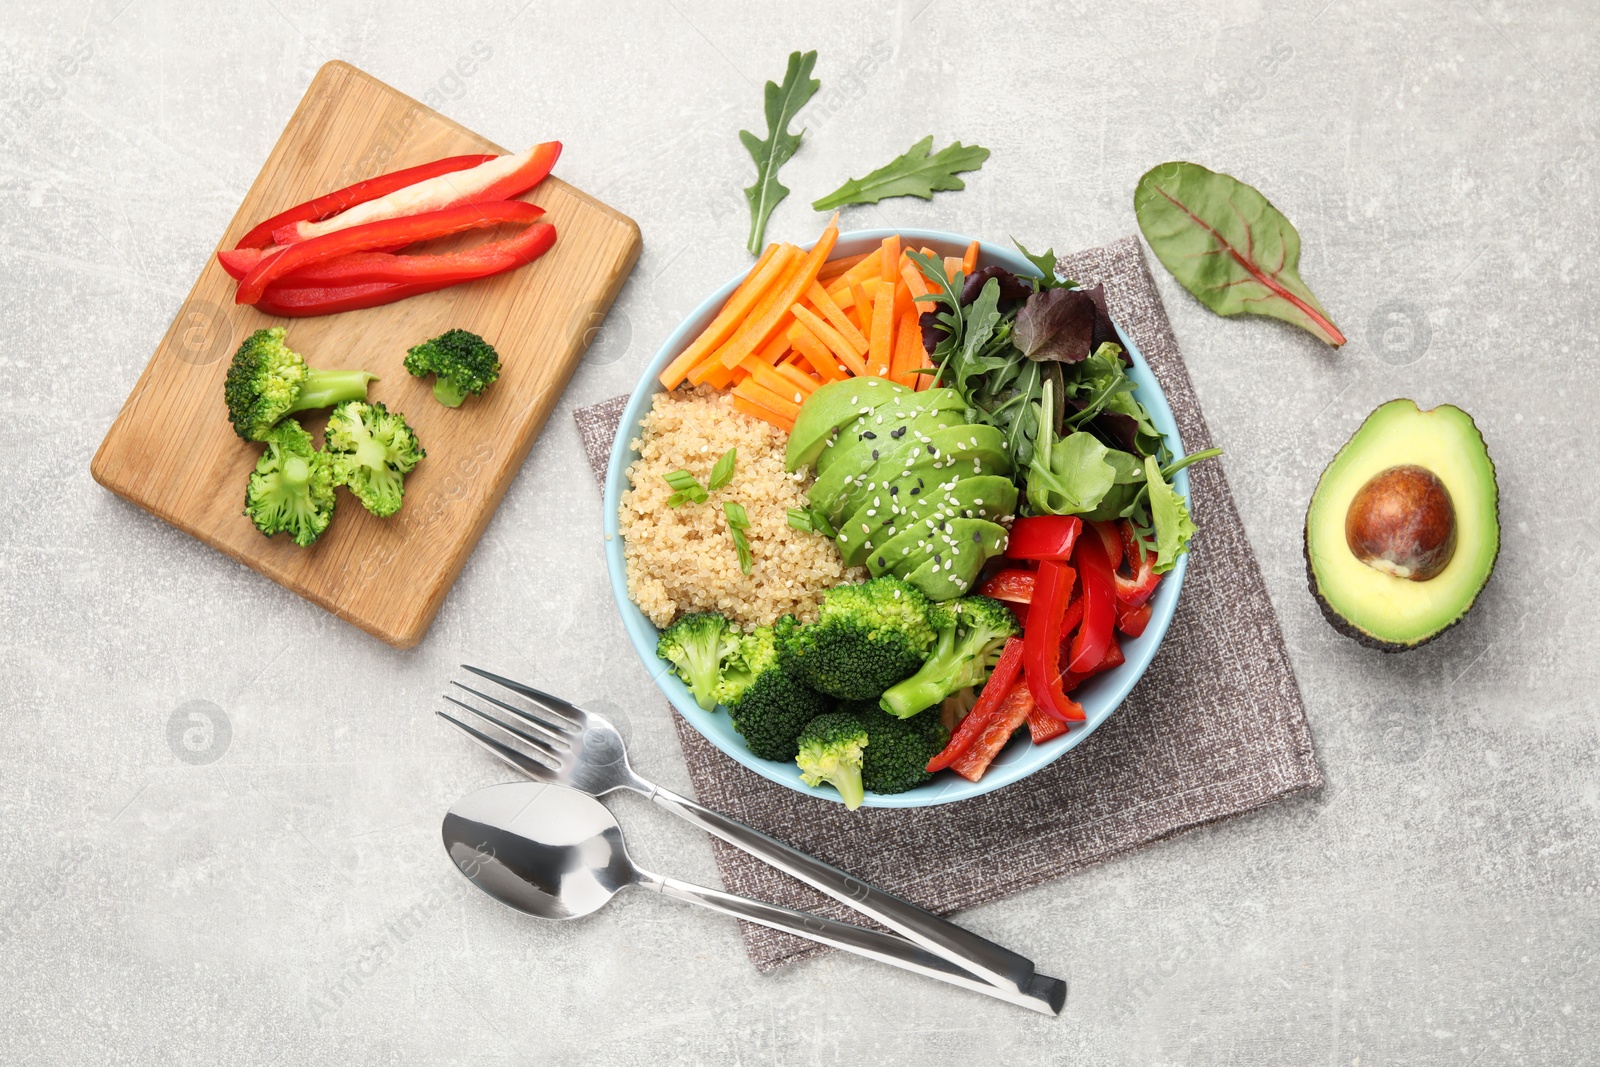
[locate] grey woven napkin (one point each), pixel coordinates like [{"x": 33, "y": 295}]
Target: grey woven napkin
[{"x": 1215, "y": 727}]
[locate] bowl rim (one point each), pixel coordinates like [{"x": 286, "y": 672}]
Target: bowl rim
[{"x": 1100, "y": 696}]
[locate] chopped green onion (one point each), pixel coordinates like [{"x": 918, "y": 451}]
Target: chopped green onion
[
  {"x": 811, "y": 520},
  {"x": 722, "y": 473},
  {"x": 738, "y": 523},
  {"x": 687, "y": 489}
]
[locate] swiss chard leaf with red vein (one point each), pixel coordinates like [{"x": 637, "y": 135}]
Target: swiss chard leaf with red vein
[{"x": 1228, "y": 245}]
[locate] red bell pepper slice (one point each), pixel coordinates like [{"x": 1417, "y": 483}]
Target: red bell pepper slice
[
  {"x": 1111, "y": 540},
  {"x": 1135, "y": 590},
  {"x": 1042, "y": 727},
  {"x": 361, "y": 192},
  {"x": 1012, "y": 584},
  {"x": 388, "y": 233},
  {"x": 500, "y": 178},
  {"x": 241, "y": 261},
  {"x": 1001, "y": 681},
  {"x": 1041, "y": 653},
  {"x": 360, "y": 268},
  {"x": 1099, "y": 606},
  {"x": 1011, "y": 714},
  {"x": 1043, "y": 537},
  {"x": 1132, "y": 621},
  {"x": 319, "y": 300},
  {"x": 1112, "y": 658},
  {"x": 1021, "y": 612}
]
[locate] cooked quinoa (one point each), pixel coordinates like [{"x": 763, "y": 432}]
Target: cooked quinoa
[{"x": 682, "y": 559}]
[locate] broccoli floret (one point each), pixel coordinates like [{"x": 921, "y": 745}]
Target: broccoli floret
[
  {"x": 373, "y": 450},
  {"x": 898, "y": 750},
  {"x": 972, "y": 633},
  {"x": 291, "y": 489},
  {"x": 698, "y": 645},
  {"x": 831, "y": 748},
  {"x": 268, "y": 381},
  {"x": 460, "y": 362},
  {"x": 866, "y": 638},
  {"x": 768, "y": 706}
]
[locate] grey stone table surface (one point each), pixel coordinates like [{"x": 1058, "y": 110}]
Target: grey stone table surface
[{"x": 288, "y": 901}]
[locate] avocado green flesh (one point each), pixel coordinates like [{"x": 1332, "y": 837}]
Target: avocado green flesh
[
  {"x": 859, "y": 453},
  {"x": 832, "y": 406},
  {"x": 983, "y": 496},
  {"x": 1377, "y": 608},
  {"x": 949, "y": 539},
  {"x": 947, "y": 456},
  {"x": 882, "y": 420}
]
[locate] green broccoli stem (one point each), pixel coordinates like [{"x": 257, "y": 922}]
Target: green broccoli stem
[
  {"x": 296, "y": 473},
  {"x": 931, "y": 684},
  {"x": 705, "y": 671},
  {"x": 846, "y": 778},
  {"x": 448, "y": 393},
  {"x": 325, "y": 388}
]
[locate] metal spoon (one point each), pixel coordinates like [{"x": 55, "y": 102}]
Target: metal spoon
[{"x": 556, "y": 853}]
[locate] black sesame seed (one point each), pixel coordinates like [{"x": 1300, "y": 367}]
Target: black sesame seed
[
  {"x": 874, "y": 453},
  {"x": 937, "y": 559},
  {"x": 869, "y": 435},
  {"x": 881, "y": 562},
  {"x": 931, "y": 450},
  {"x": 894, "y": 490},
  {"x": 977, "y": 539},
  {"x": 897, "y": 434},
  {"x": 914, "y": 492}
]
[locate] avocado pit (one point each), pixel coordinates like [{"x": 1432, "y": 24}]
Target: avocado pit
[{"x": 1402, "y": 522}]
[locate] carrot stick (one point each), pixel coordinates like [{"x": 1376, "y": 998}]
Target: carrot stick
[
  {"x": 969, "y": 262},
  {"x": 756, "y": 411},
  {"x": 756, "y": 332},
  {"x": 717, "y": 376},
  {"x": 797, "y": 377},
  {"x": 866, "y": 268},
  {"x": 890, "y": 251},
  {"x": 827, "y": 335},
  {"x": 837, "y": 266},
  {"x": 773, "y": 351},
  {"x": 821, "y": 359},
  {"x": 908, "y": 351},
  {"x": 881, "y": 339},
  {"x": 837, "y": 318},
  {"x": 914, "y": 281},
  {"x": 760, "y": 278},
  {"x": 952, "y": 264},
  {"x": 759, "y": 394},
  {"x": 926, "y": 381},
  {"x": 769, "y": 378}
]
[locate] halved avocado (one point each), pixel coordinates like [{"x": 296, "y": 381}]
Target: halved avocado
[
  {"x": 832, "y": 406},
  {"x": 1392, "y": 560}
]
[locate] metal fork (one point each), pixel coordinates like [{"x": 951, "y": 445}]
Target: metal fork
[{"x": 564, "y": 744}]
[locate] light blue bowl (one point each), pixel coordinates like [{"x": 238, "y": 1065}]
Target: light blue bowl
[{"x": 1100, "y": 696}]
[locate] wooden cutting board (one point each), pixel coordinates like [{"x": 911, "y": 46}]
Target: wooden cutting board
[{"x": 172, "y": 451}]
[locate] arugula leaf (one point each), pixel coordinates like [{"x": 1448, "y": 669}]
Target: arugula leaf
[
  {"x": 1225, "y": 243},
  {"x": 722, "y": 473},
  {"x": 1169, "y": 515},
  {"x": 1048, "y": 278},
  {"x": 783, "y": 103},
  {"x": 916, "y": 173}
]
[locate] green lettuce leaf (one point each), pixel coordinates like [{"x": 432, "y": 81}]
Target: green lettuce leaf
[{"x": 1169, "y": 516}]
